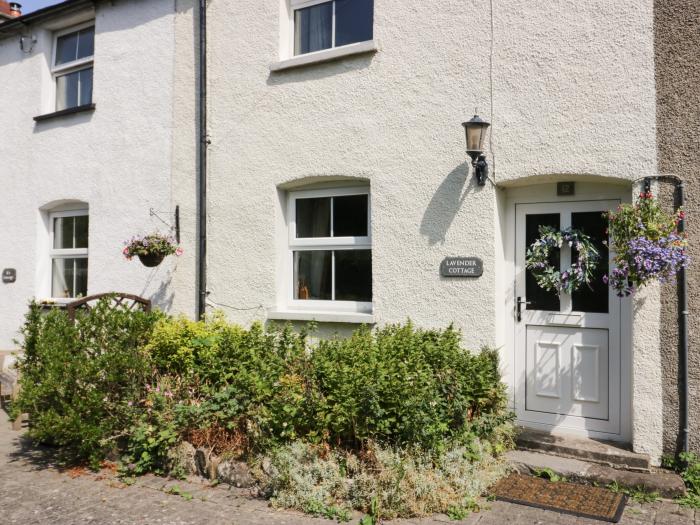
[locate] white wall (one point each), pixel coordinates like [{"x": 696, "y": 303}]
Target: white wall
[
  {"x": 573, "y": 93},
  {"x": 118, "y": 159}
]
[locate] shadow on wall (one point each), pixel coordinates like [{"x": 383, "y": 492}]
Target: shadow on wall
[
  {"x": 163, "y": 296},
  {"x": 319, "y": 71},
  {"x": 446, "y": 203}
]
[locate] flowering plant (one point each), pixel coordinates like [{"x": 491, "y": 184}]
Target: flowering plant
[
  {"x": 550, "y": 278},
  {"x": 151, "y": 244},
  {"x": 647, "y": 244}
]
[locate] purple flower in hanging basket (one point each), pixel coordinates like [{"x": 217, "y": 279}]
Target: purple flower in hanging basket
[{"x": 154, "y": 244}]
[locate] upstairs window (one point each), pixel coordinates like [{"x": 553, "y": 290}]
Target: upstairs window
[
  {"x": 69, "y": 253},
  {"x": 72, "y": 66},
  {"x": 323, "y": 25},
  {"x": 330, "y": 251}
]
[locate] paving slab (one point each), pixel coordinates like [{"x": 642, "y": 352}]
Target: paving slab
[
  {"x": 666, "y": 483},
  {"x": 590, "y": 450},
  {"x": 33, "y": 491}
]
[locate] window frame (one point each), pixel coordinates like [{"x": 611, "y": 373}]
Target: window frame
[
  {"x": 295, "y": 5},
  {"x": 66, "y": 253},
  {"x": 326, "y": 244},
  {"x": 70, "y": 67}
]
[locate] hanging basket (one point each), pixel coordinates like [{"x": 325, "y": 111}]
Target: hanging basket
[{"x": 151, "y": 260}]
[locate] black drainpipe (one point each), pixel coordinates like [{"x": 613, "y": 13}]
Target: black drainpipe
[
  {"x": 683, "y": 333},
  {"x": 202, "y": 168}
]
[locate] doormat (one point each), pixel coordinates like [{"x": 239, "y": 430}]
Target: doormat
[{"x": 570, "y": 498}]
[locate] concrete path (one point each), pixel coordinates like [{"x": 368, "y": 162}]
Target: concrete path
[{"x": 33, "y": 491}]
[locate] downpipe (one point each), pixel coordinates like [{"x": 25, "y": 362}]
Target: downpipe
[{"x": 203, "y": 142}]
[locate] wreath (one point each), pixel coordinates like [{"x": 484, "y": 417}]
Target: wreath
[{"x": 550, "y": 278}]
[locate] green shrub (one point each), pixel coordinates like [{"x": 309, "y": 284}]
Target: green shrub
[
  {"x": 403, "y": 386},
  {"x": 398, "y": 386},
  {"x": 143, "y": 382},
  {"x": 79, "y": 381}
]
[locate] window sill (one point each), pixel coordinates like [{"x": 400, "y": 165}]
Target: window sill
[
  {"x": 325, "y": 55},
  {"x": 321, "y": 317},
  {"x": 63, "y": 112}
]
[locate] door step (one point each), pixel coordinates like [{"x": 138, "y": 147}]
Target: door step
[
  {"x": 667, "y": 484},
  {"x": 589, "y": 450}
]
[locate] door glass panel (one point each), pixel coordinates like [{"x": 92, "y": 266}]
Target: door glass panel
[
  {"x": 595, "y": 298},
  {"x": 538, "y": 298}
]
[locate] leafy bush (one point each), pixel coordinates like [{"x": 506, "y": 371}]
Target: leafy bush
[
  {"x": 79, "y": 381},
  {"x": 397, "y": 385},
  {"x": 403, "y": 386},
  {"x": 396, "y": 421}
]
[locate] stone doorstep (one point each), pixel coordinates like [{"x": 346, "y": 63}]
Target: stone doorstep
[
  {"x": 592, "y": 451},
  {"x": 667, "y": 484}
]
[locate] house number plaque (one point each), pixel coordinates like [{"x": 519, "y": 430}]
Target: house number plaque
[
  {"x": 9, "y": 275},
  {"x": 461, "y": 267}
]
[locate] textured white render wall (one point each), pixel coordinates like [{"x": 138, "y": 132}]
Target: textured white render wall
[
  {"x": 117, "y": 159},
  {"x": 573, "y": 93}
]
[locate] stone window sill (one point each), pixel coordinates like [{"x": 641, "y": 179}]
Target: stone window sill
[
  {"x": 63, "y": 112},
  {"x": 321, "y": 317},
  {"x": 325, "y": 55}
]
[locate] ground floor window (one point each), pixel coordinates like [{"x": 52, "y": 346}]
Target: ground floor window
[
  {"x": 69, "y": 253},
  {"x": 330, "y": 249}
]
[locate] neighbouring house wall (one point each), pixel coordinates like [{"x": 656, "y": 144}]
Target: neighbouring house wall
[
  {"x": 116, "y": 159},
  {"x": 677, "y": 38}
]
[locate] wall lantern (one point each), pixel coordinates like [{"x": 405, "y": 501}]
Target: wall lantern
[{"x": 475, "y": 130}]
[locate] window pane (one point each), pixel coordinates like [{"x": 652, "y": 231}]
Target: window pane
[
  {"x": 353, "y": 275},
  {"x": 62, "y": 279},
  {"x": 63, "y": 232},
  {"x": 66, "y": 48},
  {"x": 67, "y": 90},
  {"x": 85, "y": 86},
  {"x": 313, "y": 28},
  {"x": 81, "y": 231},
  {"x": 86, "y": 42},
  {"x": 350, "y": 216},
  {"x": 81, "y": 277},
  {"x": 313, "y": 217},
  {"x": 540, "y": 299},
  {"x": 595, "y": 298},
  {"x": 312, "y": 275},
  {"x": 353, "y": 21}
]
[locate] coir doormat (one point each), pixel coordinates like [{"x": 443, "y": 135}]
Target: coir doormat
[{"x": 569, "y": 498}]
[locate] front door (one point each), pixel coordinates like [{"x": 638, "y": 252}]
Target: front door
[{"x": 567, "y": 346}]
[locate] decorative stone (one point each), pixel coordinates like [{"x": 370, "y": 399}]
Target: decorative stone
[
  {"x": 235, "y": 473},
  {"x": 181, "y": 458},
  {"x": 206, "y": 463}
]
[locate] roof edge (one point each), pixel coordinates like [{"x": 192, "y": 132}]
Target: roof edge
[{"x": 14, "y": 25}]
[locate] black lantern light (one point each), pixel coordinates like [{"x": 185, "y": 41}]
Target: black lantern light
[{"x": 475, "y": 130}]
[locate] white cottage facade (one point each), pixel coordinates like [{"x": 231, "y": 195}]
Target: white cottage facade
[
  {"x": 308, "y": 132},
  {"x": 86, "y": 105},
  {"x": 337, "y": 180}
]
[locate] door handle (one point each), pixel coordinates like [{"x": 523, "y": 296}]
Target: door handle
[{"x": 518, "y": 308}]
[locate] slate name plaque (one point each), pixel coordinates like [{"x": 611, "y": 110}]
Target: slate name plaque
[
  {"x": 461, "y": 267},
  {"x": 9, "y": 275}
]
